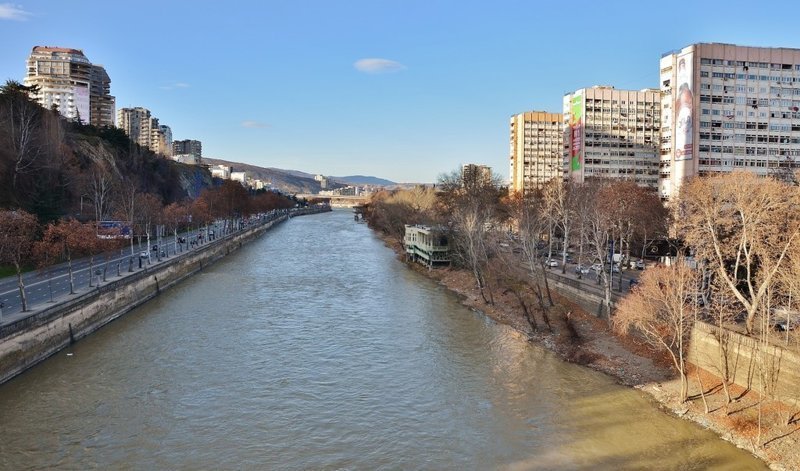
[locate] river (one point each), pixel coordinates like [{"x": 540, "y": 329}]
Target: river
[{"x": 314, "y": 348}]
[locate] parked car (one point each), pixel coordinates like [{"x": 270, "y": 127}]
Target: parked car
[
  {"x": 551, "y": 263},
  {"x": 615, "y": 268},
  {"x": 583, "y": 270},
  {"x": 144, "y": 254},
  {"x": 640, "y": 264},
  {"x": 597, "y": 267}
]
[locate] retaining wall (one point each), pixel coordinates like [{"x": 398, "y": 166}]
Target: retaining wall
[
  {"x": 748, "y": 362},
  {"x": 30, "y": 340}
]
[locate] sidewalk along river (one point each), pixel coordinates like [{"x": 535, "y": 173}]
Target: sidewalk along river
[{"x": 314, "y": 348}]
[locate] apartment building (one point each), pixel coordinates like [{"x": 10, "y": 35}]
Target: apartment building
[
  {"x": 166, "y": 140},
  {"x": 611, "y": 133},
  {"x": 480, "y": 173},
  {"x": 728, "y": 107},
  {"x": 64, "y": 77},
  {"x": 138, "y": 124},
  {"x": 537, "y": 143},
  {"x": 101, "y": 103},
  {"x": 188, "y": 146}
]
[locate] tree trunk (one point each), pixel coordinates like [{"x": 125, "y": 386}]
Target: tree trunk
[{"x": 21, "y": 284}]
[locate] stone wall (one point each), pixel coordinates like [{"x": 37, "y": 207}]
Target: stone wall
[
  {"x": 749, "y": 363},
  {"x": 588, "y": 296},
  {"x": 30, "y": 340}
]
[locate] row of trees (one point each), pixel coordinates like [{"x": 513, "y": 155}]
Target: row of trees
[
  {"x": 740, "y": 264},
  {"x": 25, "y": 243},
  {"x": 486, "y": 225},
  {"x": 737, "y": 236}
]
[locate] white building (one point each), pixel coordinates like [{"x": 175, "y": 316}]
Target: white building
[
  {"x": 221, "y": 171},
  {"x": 190, "y": 159},
  {"x": 240, "y": 177},
  {"x": 63, "y": 76},
  {"x": 726, "y": 108}
]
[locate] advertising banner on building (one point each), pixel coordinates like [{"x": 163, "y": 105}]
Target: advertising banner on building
[
  {"x": 682, "y": 114},
  {"x": 576, "y": 131}
]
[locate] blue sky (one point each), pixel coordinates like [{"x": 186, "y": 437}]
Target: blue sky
[{"x": 279, "y": 83}]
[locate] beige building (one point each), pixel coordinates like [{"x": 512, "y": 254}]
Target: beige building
[
  {"x": 537, "y": 145},
  {"x": 69, "y": 82},
  {"x": 481, "y": 172},
  {"x": 610, "y": 133},
  {"x": 728, "y": 107},
  {"x": 143, "y": 129}
]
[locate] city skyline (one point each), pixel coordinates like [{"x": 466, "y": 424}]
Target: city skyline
[{"x": 400, "y": 92}]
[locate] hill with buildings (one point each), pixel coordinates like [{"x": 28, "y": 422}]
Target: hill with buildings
[
  {"x": 364, "y": 180},
  {"x": 295, "y": 181},
  {"x": 287, "y": 181},
  {"x": 54, "y": 166}
]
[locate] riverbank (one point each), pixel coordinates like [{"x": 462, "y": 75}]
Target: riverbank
[
  {"x": 29, "y": 340},
  {"x": 580, "y": 337}
]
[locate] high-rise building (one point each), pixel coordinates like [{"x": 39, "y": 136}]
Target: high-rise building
[
  {"x": 70, "y": 83},
  {"x": 610, "y": 133},
  {"x": 101, "y": 103},
  {"x": 188, "y": 146},
  {"x": 63, "y": 76},
  {"x": 537, "y": 143},
  {"x": 137, "y": 124},
  {"x": 166, "y": 135},
  {"x": 476, "y": 173},
  {"x": 726, "y": 108}
]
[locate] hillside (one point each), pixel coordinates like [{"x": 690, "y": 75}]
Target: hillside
[
  {"x": 288, "y": 181},
  {"x": 53, "y": 167},
  {"x": 364, "y": 180}
]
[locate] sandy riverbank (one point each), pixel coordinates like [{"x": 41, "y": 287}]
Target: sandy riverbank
[{"x": 580, "y": 337}]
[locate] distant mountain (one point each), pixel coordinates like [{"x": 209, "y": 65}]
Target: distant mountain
[
  {"x": 288, "y": 181},
  {"x": 364, "y": 180}
]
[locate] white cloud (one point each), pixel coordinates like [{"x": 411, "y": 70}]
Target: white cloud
[
  {"x": 254, "y": 124},
  {"x": 378, "y": 66},
  {"x": 175, "y": 85},
  {"x": 9, "y": 11}
]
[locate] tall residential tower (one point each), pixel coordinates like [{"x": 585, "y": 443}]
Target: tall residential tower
[
  {"x": 70, "y": 83},
  {"x": 728, "y": 108},
  {"x": 610, "y": 133},
  {"x": 537, "y": 142}
]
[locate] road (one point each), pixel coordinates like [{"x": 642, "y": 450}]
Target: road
[{"x": 53, "y": 284}]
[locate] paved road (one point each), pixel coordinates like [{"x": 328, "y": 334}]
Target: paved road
[{"x": 53, "y": 285}]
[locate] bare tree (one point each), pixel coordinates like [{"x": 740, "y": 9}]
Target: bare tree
[
  {"x": 471, "y": 201},
  {"x": 744, "y": 226},
  {"x": 661, "y": 311},
  {"x": 17, "y": 231}
]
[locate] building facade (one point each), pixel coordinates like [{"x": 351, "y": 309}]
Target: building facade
[
  {"x": 188, "y": 146},
  {"x": 537, "y": 143},
  {"x": 221, "y": 171},
  {"x": 610, "y": 133},
  {"x": 101, "y": 103},
  {"x": 166, "y": 139},
  {"x": 137, "y": 123},
  {"x": 477, "y": 173},
  {"x": 726, "y": 108},
  {"x": 63, "y": 77}
]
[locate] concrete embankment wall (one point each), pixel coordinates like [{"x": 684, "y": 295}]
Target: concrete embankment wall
[
  {"x": 588, "y": 296},
  {"x": 747, "y": 361},
  {"x": 750, "y": 363},
  {"x": 30, "y": 340}
]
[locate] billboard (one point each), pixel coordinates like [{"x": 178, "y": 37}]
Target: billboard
[
  {"x": 576, "y": 131},
  {"x": 682, "y": 114}
]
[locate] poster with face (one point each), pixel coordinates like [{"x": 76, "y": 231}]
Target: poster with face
[{"x": 683, "y": 119}]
